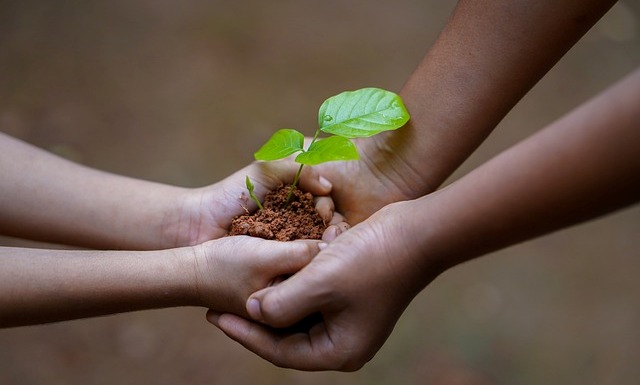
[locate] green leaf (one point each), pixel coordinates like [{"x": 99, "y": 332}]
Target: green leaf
[
  {"x": 253, "y": 196},
  {"x": 327, "y": 150},
  {"x": 282, "y": 143},
  {"x": 362, "y": 113},
  {"x": 250, "y": 185}
]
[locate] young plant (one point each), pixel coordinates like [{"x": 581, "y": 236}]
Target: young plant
[
  {"x": 252, "y": 195},
  {"x": 351, "y": 114}
]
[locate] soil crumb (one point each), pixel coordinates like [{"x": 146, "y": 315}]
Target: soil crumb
[{"x": 281, "y": 221}]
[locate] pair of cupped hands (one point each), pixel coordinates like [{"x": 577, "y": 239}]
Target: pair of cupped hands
[{"x": 354, "y": 284}]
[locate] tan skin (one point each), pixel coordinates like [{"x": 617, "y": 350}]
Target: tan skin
[
  {"x": 580, "y": 167},
  {"x": 39, "y": 286},
  {"x": 487, "y": 57},
  {"x": 488, "y": 48},
  {"x": 470, "y": 60},
  {"x": 47, "y": 198},
  {"x": 501, "y": 54}
]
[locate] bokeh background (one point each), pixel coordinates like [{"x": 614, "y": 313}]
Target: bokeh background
[{"x": 184, "y": 92}]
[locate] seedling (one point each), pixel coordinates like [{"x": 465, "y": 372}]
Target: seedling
[
  {"x": 351, "y": 114},
  {"x": 251, "y": 193}
]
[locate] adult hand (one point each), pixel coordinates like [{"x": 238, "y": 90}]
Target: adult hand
[
  {"x": 362, "y": 281},
  {"x": 470, "y": 78},
  {"x": 380, "y": 177},
  {"x": 360, "y": 284}
]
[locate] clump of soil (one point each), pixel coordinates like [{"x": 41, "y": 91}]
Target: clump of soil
[{"x": 297, "y": 219}]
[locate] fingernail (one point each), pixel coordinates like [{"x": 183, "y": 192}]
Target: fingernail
[
  {"x": 325, "y": 183},
  {"x": 322, "y": 245},
  {"x": 330, "y": 234},
  {"x": 253, "y": 308}
]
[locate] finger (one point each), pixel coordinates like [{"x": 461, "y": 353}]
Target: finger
[
  {"x": 325, "y": 207},
  {"x": 300, "y": 351},
  {"x": 333, "y": 231},
  {"x": 337, "y": 218},
  {"x": 289, "y": 257},
  {"x": 343, "y": 226},
  {"x": 288, "y": 303},
  {"x": 267, "y": 176},
  {"x": 253, "y": 336},
  {"x": 330, "y": 233},
  {"x": 311, "y": 181},
  {"x": 277, "y": 280}
]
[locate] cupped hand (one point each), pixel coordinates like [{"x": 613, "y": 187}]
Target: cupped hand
[
  {"x": 360, "y": 284},
  {"x": 230, "y": 269},
  {"x": 206, "y": 213}
]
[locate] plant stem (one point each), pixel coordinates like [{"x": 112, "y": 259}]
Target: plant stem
[
  {"x": 293, "y": 185},
  {"x": 255, "y": 199},
  {"x": 295, "y": 180},
  {"x": 252, "y": 195}
]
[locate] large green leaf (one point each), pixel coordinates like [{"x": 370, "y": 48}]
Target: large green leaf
[
  {"x": 362, "y": 113},
  {"x": 282, "y": 143},
  {"x": 327, "y": 150}
]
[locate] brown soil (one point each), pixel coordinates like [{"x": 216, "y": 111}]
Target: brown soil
[{"x": 281, "y": 221}]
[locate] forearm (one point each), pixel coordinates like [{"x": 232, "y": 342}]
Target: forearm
[
  {"x": 39, "y": 286},
  {"x": 44, "y": 197},
  {"x": 487, "y": 57},
  {"x": 582, "y": 166}
]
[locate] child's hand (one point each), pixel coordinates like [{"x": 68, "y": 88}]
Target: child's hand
[
  {"x": 228, "y": 270},
  {"x": 206, "y": 213}
]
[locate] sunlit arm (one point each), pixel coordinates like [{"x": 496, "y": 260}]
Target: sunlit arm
[
  {"x": 582, "y": 166},
  {"x": 39, "y": 286},
  {"x": 47, "y": 198}
]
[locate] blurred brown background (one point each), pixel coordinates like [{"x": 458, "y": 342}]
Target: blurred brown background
[{"x": 184, "y": 92}]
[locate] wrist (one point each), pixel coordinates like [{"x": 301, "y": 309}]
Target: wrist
[
  {"x": 183, "y": 266},
  {"x": 449, "y": 229},
  {"x": 389, "y": 157},
  {"x": 176, "y": 228},
  {"x": 399, "y": 229}
]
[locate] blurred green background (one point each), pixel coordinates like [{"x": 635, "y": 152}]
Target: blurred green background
[{"x": 184, "y": 92}]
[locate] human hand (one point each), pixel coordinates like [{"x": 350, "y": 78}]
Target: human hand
[
  {"x": 205, "y": 213},
  {"x": 230, "y": 269},
  {"x": 360, "y": 284},
  {"x": 381, "y": 176}
]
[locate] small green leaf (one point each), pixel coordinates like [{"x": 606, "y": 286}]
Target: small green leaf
[
  {"x": 250, "y": 185},
  {"x": 327, "y": 150},
  {"x": 252, "y": 195},
  {"x": 362, "y": 113},
  {"x": 282, "y": 143}
]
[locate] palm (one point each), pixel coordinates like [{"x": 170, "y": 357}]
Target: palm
[
  {"x": 361, "y": 284},
  {"x": 206, "y": 213}
]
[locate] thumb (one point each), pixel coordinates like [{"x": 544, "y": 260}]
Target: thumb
[{"x": 287, "y": 303}]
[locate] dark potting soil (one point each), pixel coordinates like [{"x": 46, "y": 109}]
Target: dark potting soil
[{"x": 297, "y": 219}]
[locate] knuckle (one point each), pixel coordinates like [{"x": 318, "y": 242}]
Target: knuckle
[
  {"x": 299, "y": 252},
  {"x": 272, "y": 309}
]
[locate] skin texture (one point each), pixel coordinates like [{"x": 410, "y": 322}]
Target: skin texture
[
  {"x": 67, "y": 203},
  {"x": 64, "y": 202},
  {"x": 580, "y": 167},
  {"x": 39, "y": 286},
  {"x": 486, "y": 58}
]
